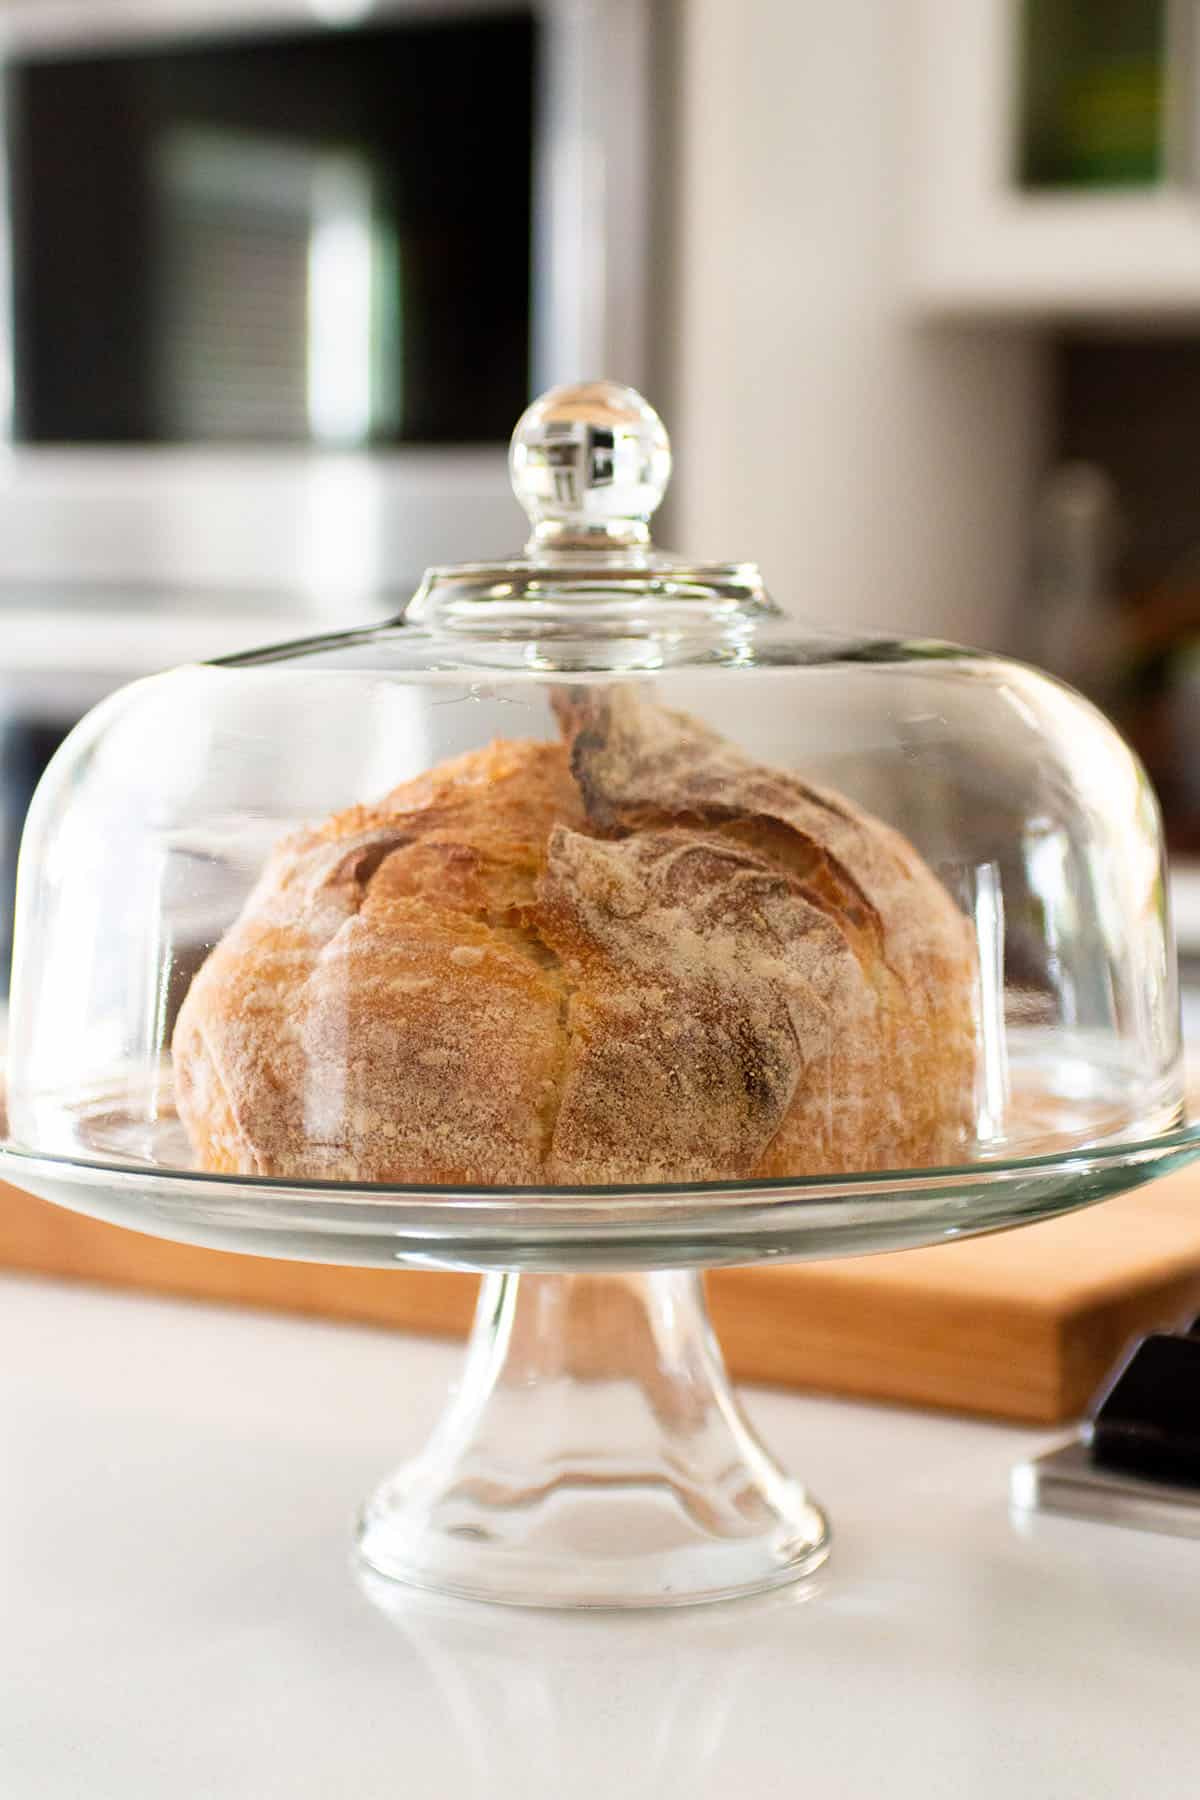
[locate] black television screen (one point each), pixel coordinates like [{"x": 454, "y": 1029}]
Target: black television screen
[{"x": 319, "y": 237}]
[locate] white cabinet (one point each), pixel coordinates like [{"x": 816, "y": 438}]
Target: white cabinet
[{"x": 978, "y": 245}]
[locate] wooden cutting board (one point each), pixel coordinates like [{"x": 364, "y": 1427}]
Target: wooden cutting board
[{"x": 1018, "y": 1326}]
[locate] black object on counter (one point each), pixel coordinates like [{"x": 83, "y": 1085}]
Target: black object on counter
[
  {"x": 26, "y": 746},
  {"x": 1147, "y": 1418}
]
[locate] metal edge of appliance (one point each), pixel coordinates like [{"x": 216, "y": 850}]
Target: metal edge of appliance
[
  {"x": 1066, "y": 1481},
  {"x": 191, "y": 515}
]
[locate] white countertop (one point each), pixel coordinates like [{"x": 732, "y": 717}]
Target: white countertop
[{"x": 180, "y": 1620}]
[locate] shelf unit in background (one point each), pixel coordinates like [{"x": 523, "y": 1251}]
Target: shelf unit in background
[{"x": 978, "y": 245}]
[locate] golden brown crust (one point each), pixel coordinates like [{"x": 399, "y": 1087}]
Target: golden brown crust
[
  {"x": 641, "y": 957},
  {"x": 375, "y": 1014}
]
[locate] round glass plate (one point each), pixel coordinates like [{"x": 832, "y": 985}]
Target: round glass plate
[{"x": 699, "y": 1225}]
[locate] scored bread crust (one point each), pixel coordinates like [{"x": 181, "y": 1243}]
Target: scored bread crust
[{"x": 636, "y": 956}]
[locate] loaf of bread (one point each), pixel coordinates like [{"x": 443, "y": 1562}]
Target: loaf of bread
[{"x": 632, "y": 956}]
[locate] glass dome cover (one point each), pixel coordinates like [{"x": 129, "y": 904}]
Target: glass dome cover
[{"x": 1021, "y": 811}]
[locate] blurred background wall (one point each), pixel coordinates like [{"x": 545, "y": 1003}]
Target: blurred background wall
[{"x": 879, "y": 467}]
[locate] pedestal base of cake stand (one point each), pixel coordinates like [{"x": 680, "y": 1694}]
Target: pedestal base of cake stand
[{"x": 593, "y": 1455}]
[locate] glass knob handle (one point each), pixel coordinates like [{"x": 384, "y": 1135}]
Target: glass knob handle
[{"x": 589, "y": 464}]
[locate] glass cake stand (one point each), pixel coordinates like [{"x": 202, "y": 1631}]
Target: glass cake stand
[
  {"x": 594, "y": 1453},
  {"x": 904, "y": 900}
]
